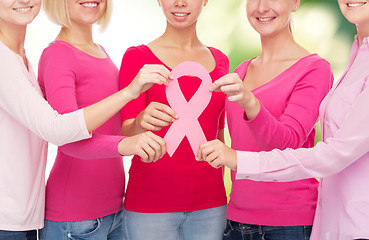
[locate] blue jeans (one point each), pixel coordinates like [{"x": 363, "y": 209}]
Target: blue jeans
[
  {"x": 207, "y": 224},
  {"x": 110, "y": 227},
  {"x": 241, "y": 231},
  {"x": 18, "y": 235}
]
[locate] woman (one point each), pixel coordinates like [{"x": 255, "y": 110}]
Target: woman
[
  {"x": 26, "y": 121},
  {"x": 84, "y": 198},
  {"x": 175, "y": 197},
  {"x": 273, "y": 103},
  {"x": 341, "y": 159}
]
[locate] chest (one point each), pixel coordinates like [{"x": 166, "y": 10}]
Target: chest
[
  {"x": 96, "y": 80},
  {"x": 340, "y": 100}
]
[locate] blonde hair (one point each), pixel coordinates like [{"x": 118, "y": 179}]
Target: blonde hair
[{"x": 57, "y": 11}]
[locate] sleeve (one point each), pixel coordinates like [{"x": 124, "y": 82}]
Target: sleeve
[
  {"x": 292, "y": 128},
  {"x": 131, "y": 64},
  {"x": 349, "y": 144},
  {"x": 58, "y": 69},
  {"x": 24, "y": 103},
  {"x": 225, "y": 63}
]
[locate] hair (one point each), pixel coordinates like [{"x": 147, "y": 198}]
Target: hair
[{"x": 57, "y": 11}]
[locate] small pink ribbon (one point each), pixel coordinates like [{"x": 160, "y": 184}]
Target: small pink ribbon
[{"x": 187, "y": 124}]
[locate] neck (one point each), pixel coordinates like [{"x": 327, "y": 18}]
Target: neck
[
  {"x": 13, "y": 37},
  {"x": 76, "y": 35},
  {"x": 362, "y": 33},
  {"x": 183, "y": 38},
  {"x": 277, "y": 46}
]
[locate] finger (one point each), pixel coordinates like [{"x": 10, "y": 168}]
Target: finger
[
  {"x": 235, "y": 87},
  {"x": 206, "y": 151},
  {"x": 216, "y": 163},
  {"x": 167, "y": 111},
  {"x": 142, "y": 154},
  {"x": 211, "y": 157},
  {"x": 163, "y": 71},
  {"x": 161, "y": 142},
  {"x": 149, "y": 151},
  {"x": 157, "y": 149},
  {"x": 234, "y": 98},
  {"x": 226, "y": 80}
]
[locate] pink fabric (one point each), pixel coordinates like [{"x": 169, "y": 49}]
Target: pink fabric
[
  {"x": 341, "y": 159},
  {"x": 289, "y": 112},
  {"x": 80, "y": 189},
  {"x": 178, "y": 183},
  {"x": 26, "y": 119}
]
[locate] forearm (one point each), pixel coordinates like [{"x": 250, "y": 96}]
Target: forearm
[
  {"x": 98, "y": 113},
  {"x": 130, "y": 127}
]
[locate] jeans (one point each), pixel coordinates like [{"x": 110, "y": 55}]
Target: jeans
[
  {"x": 241, "y": 231},
  {"x": 18, "y": 235},
  {"x": 207, "y": 224},
  {"x": 110, "y": 227}
]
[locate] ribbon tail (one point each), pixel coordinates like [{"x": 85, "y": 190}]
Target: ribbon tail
[
  {"x": 174, "y": 137},
  {"x": 196, "y": 137}
]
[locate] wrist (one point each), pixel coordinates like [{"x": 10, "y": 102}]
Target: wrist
[{"x": 252, "y": 108}]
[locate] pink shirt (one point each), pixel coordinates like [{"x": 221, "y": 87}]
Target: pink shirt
[
  {"x": 178, "y": 183},
  {"x": 289, "y": 111},
  {"x": 87, "y": 179},
  {"x": 25, "y": 120},
  {"x": 341, "y": 159}
]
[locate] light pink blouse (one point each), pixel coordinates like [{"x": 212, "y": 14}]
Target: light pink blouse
[
  {"x": 25, "y": 120},
  {"x": 341, "y": 159}
]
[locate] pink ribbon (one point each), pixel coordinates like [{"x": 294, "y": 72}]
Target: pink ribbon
[{"x": 187, "y": 124}]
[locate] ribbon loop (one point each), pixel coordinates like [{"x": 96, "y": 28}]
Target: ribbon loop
[{"x": 187, "y": 124}]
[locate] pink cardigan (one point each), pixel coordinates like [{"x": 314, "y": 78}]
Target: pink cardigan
[
  {"x": 341, "y": 159},
  {"x": 289, "y": 112}
]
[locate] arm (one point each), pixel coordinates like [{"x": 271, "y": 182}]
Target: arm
[
  {"x": 330, "y": 157},
  {"x": 299, "y": 116},
  {"x": 22, "y": 101},
  {"x": 137, "y": 116}
]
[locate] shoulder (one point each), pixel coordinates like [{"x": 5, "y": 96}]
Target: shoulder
[
  {"x": 58, "y": 51},
  {"x": 314, "y": 61},
  {"x": 137, "y": 51},
  {"x": 219, "y": 55},
  {"x": 221, "y": 59}
]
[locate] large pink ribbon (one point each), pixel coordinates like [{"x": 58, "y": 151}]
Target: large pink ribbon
[{"x": 188, "y": 112}]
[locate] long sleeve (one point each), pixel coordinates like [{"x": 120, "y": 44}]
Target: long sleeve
[
  {"x": 293, "y": 126},
  {"x": 132, "y": 62},
  {"x": 349, "y": 144},
  {"x": 59, "y": 76},
  {"x": 24, "y": 103}
]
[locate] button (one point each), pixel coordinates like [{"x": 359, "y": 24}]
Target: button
[
  {"x": 247, "y": 177},
  {"x": 69, "y": 235},
  {"x": 275, "y": 180}
]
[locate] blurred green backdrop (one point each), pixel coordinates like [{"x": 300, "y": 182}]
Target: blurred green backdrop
[{"x": 318, "y": 25}]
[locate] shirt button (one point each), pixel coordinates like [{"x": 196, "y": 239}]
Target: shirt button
[
  {"x": 275, "y": 180},
  {"x": 247, "y": 177}
]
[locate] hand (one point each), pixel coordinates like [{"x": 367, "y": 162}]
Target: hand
[
  {"x": 148, "y": 75},
  {"x": 148, "y": 146},
  {"x": 217, "y": 154},
  {"x": 155, "y": 117},
  {"x": 234, "y": 88}
]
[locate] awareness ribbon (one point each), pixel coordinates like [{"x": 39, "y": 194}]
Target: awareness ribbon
[{"x": 187, "y": 124}]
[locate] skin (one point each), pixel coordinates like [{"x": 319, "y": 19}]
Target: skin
[
  {"x": 356, "y": 12},
  {"x": 83, "y": 14},
  {"x": 271, "y": 19},
  {"x": 178, "y": 43},
  {"x": 15, "y": 15}
]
